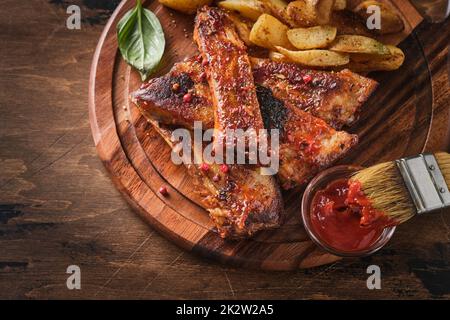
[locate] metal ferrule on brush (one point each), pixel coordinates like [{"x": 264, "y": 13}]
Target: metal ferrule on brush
[{"x": 425, "y": 182}]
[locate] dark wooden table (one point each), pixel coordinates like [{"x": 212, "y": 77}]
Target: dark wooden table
[{"x": 58, "y": 206}]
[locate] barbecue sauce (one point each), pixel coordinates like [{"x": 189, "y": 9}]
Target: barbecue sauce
[{"x": 344, "y": 218}]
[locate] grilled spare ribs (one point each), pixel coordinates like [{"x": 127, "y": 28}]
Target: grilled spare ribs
[
  {"x": 335, "y": 97},
  {"x": 225, "y": 89},
  {"x": 163, "y": 98},
  {"x": 307, "y": 143},
  {"x": 241, "y": 201},
  {"x": 228, "y": 72}
]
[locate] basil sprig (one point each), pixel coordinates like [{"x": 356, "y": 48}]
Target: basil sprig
[{"x": 141, "y": 39}]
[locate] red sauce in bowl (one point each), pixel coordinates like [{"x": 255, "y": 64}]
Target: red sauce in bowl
[{"x": 342, "y": 216}]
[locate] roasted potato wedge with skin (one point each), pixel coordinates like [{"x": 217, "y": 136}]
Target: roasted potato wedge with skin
[
  {"x": 308, "y": 13},
  {"x": 348, "y": 22},
  {"x": 316, "y": 58},
  {"x": 269, "y": 32},
  {"x": 353, "y": 3},
  {"x": 278, "y": 9},
  {"x": 250, "y": 9},
  {"x": 186, "y": 6},
  {"x": 390, "y": 20},
  {"x": 339, "y": 5},
  {"x": 278, "y": 57},
  {"x": 275, "y": 6},
  {"x": 358, "y": 44},
  {"x": 361, "y": 62},
  {"x": 312, "y": 38},
  {"x": 243, "y": 27}
]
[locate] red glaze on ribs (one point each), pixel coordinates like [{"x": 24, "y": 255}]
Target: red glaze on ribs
[
  {"x": 240, "y": 201},
  {"x": 228, "y": 71},
  {"x": 335, "y": 97},
  {"x": 308, "y": 143},
  {"x": 158, "y": 100}
]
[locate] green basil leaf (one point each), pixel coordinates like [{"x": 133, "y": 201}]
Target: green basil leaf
[{"x": 141, "y": 39}]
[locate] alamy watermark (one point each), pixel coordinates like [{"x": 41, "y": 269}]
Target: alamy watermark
[
  {"x": 374, "y": 20},
  {"x": 230, "y": 147},
  {"x": 73, "y": 22},
  {"x": 74, "y": 280},
  {"x": 374, "y": 280}
]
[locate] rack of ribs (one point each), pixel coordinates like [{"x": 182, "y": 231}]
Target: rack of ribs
[
  {"x": 229, "y": 74},
  {"x": 224, "y": 88},
  {"x": 241, "y": 201},
  {"x": 307, "y": 143},
  {"x": 335, "y": 97}
]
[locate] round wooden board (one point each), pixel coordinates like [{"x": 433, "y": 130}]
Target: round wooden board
[{"x": 395, "y": 122}]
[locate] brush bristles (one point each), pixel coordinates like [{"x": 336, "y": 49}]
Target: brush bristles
[
  {"x": 384, "y": 186},
  {"x": 443, "y": 160}
]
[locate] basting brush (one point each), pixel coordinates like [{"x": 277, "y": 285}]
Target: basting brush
[{"x": 407, "y": 187}]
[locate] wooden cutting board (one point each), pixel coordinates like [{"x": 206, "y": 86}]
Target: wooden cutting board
[{"x": 396, "y": 122}]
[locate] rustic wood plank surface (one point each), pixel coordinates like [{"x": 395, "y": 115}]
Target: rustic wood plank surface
[
  {"x": 58, "y": 206},
  {"x": 394, "y": 123}
]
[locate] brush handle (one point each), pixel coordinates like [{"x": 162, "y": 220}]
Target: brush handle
[{"x": 425, "y": 182}]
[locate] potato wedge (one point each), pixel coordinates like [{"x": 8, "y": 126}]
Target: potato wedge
[
  {"x": 277, "y": 8},
  {"x": 186, "y": 6},
  {"x": 250, "y": 9},
  {"x": 358, "y": 44},
  {"x": 316, "y": 58},
  {"x": 278, "y": 57},
  {"x": 339, "y": 5},
  {"x": 348, "y": 22},
  {"x": 369, "y": 62},
  {"x": 243, "y": 27},
  {"x": 353, "y": 3},
  {"x": 308, "y": 13},
  {"x": 390, "y": 21},
  {"x": 312, "y": 38},
  {"x": 269, "y": 32}
]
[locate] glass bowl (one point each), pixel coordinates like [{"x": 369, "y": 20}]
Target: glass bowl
[{"x": 320, "y": 182}]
